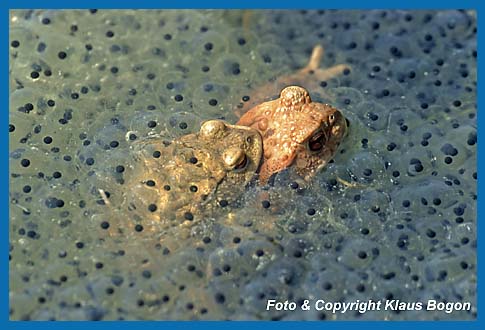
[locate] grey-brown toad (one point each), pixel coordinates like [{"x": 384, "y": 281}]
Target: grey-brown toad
[{"x": 176, "y": 182}]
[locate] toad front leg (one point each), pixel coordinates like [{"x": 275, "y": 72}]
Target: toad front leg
[
  {"x": 312, "y": 70},
  {"x": 308, "y": 77}
]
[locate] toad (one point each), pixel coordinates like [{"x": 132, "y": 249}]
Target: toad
[
  {"x": 173, "y": 182},
  {"x": 296, "y": 132}
]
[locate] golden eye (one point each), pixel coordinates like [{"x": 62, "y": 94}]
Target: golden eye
[
  {"x": 242, "y": 164},
  {"x": 317, "y": 141},
  {"x": 332, "y": 118}
]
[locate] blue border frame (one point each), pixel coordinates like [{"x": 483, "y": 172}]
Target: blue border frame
[
  {"x": 245, "y": 4},
  {"x": 217, "y": 4}
]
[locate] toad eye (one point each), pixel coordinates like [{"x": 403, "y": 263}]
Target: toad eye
[
  {"x": 317, "y": 141},
  {"x": 242, "y": 163}
]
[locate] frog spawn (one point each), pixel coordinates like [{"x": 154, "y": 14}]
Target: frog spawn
[{"x": 389, "y": 240}]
